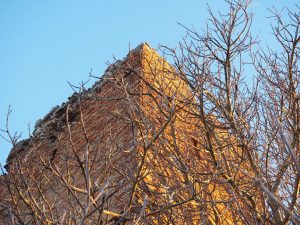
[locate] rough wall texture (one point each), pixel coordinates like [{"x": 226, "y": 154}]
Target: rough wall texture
[
  {"x": 134, "y": 140},
  {"x": 95, "y": 119}
]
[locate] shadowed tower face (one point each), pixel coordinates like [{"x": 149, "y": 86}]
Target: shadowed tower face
[{"x": 129, "y": 149}]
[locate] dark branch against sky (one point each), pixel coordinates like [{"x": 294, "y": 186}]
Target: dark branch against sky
[{"x": 44, "y": 44}]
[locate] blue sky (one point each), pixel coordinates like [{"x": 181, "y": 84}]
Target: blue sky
[{"x": 44, "y": 44}]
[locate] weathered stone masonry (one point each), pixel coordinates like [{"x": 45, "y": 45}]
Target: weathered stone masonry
[{"x": 137, "y": 121}]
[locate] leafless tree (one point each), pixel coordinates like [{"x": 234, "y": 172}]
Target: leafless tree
[
  {"x": 44, "y": 190},
  {"x": 202, "y": 144},
  {"x": 279, "y": 129},
  {"x": 262, "y": 117}
]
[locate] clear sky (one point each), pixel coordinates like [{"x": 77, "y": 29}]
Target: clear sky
[{"x": 44, "y": 44}]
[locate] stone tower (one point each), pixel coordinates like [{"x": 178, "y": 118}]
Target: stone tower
[{"x": 128, "y": 150}]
